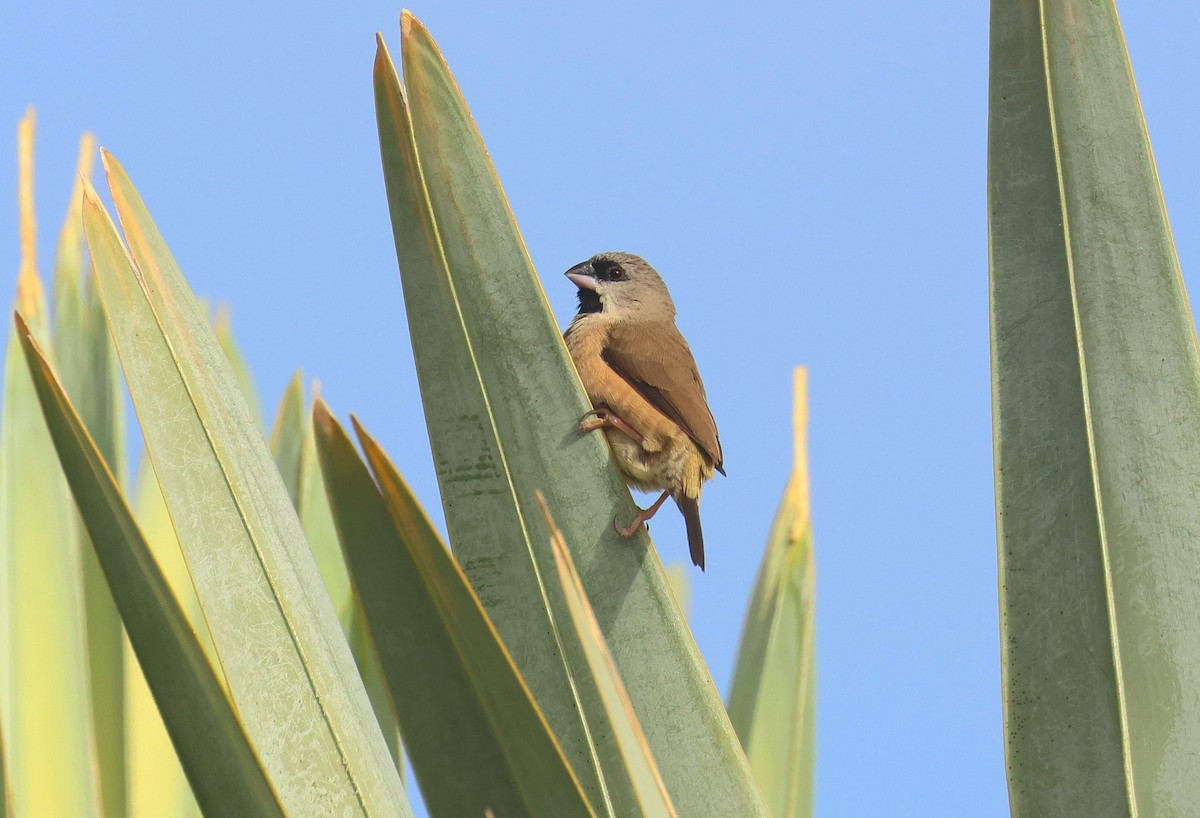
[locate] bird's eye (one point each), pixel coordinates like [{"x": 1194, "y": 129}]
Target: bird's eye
[{"x": 610, "y": 271}]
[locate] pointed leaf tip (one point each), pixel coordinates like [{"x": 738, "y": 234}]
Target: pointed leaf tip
[
  {"x": 322, "y": 417},
  {"x": 90, "y": 197},
  {"x": 411, "y": 28}
]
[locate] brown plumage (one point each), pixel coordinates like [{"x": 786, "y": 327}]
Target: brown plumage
[{"x": 642, "y": 380}]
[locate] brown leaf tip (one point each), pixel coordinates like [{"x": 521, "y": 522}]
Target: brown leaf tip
[{"x": 322, "y": 418}]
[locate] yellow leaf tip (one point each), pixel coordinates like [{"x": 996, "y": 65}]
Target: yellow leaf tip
[
  {"x": 90, "y": 197},
  {"x": 31, "y": 294},
  {"x": 411, "y": 27},
  {"x": 545, "y": 507}
]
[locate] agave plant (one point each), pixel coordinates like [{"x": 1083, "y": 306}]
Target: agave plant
[
  {"x": 1096, "y": 390},
  {"x": 290, "y": 606}
]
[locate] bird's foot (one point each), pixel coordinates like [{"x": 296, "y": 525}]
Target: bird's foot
[
  {"x": 599, "y": 418},
  {"x": 643, "y": 517}
]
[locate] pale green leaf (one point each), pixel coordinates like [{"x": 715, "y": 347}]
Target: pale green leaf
[
  {"x": 772, "y": 703},
  {"x": 225, "y": 774},
  {"x": 475, "y": 737},
  {"x": 289, "y": 670},
  {"x": 223, "y": 326},
  {"x": 502, "y": 402},
  {"x": 1096, "y": 390},
  {"x": 319, "y": 528},
  {"x": 287, "y": 437},
  {"x": 158, "y": 787},
  {"x": 45, "y": 701},
  {"x": 652, "y": 797},
  {"x": 87, "y": 361}
]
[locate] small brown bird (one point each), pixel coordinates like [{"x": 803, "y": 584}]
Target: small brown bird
[{"x": 641, "y": 378}]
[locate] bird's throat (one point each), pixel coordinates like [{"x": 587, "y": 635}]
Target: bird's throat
[{"x": 589, "y": 301}]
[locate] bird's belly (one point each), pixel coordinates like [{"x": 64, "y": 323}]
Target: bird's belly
[{"x": 675, "y": 467}]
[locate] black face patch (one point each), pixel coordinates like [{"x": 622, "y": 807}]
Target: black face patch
[
  {"x": 589, "y": 301},
  {"x": 609, "y": 270}
]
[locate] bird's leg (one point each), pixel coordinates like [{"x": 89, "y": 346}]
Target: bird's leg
[
  {"x": 642, "y": 517},
  {"x": 603, "y": 416}
]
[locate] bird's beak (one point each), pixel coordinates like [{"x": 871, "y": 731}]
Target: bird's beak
[{"x": 581, "y": 276}]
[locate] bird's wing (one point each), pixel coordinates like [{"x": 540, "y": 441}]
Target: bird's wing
[{"x": 656, "y": 361}]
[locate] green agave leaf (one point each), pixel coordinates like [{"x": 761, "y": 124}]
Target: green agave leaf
[
  {"x": 1096, "y": 411},
  {"x": 88, "y": 362},
  {"x": 319, "y": 529},
  {"x": 475, "y": 736},
  {"x": 158, "y": 786},
  {"x": 44, "y": 691},
  {"x": 288, "y": 667},
  {"x": 287, "y": 437},
  {"x": 502, "y": 402},
  {"x": 635, "y": 752},
  {"x": 772, "y": 703},
  {"x": 294, "y": 450},
  {"x": 681, "y": 586},
  {"x": 225, "y": 774},
  {"x": 223, "y": 327}
]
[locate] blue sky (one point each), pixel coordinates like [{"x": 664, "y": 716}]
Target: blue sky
[{"x": 809, "y": 179}]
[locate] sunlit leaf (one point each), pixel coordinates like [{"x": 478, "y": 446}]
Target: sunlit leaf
[
  {"x": 289, "y": 670},
  {"x": 773, "y": 699},
  {"x": 635, "y": 752},
  {"x": 287, "y": 436},
  {"x": 88, "y": 365},
  {"x": 45, "y": 702},
  {"x": 502, "y": 402},
  {"x": 225, "y": 774},
  {"x": 454, "y": 686}
]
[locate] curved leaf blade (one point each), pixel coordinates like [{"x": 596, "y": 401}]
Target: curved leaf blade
[
  {"x": 157, "y": 784},
  {"x": 288, "y": 667},
  {"x": 772, "y": 702},
  {"x": 45, "y": 702},
  {"x": 222, "y": 768},
  {"x": 455, "y": 688},
  {"x": 501, "y": 402},
  {"x": 635, "y": 752},
  {"x": 85, "y": 357},
  {"x": 1096, "y": 412},
  {"x": 287, "y": 437}
]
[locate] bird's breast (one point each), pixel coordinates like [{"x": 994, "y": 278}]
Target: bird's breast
[{"x": 666, "y": 458}]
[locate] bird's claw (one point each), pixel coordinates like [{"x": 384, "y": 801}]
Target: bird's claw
[
  {"x": 643, "y": 517},
  {"x": 631, "y": 529},
  {"x": 599, "y": 418}
]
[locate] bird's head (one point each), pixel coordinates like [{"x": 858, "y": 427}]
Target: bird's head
[{"x": 621, "y": 286}]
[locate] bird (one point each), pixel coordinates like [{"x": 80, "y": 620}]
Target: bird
[{"x": 646, "y": 393}]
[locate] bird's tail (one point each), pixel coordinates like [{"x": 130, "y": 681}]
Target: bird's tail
[{"x": 690, "y": 506}]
